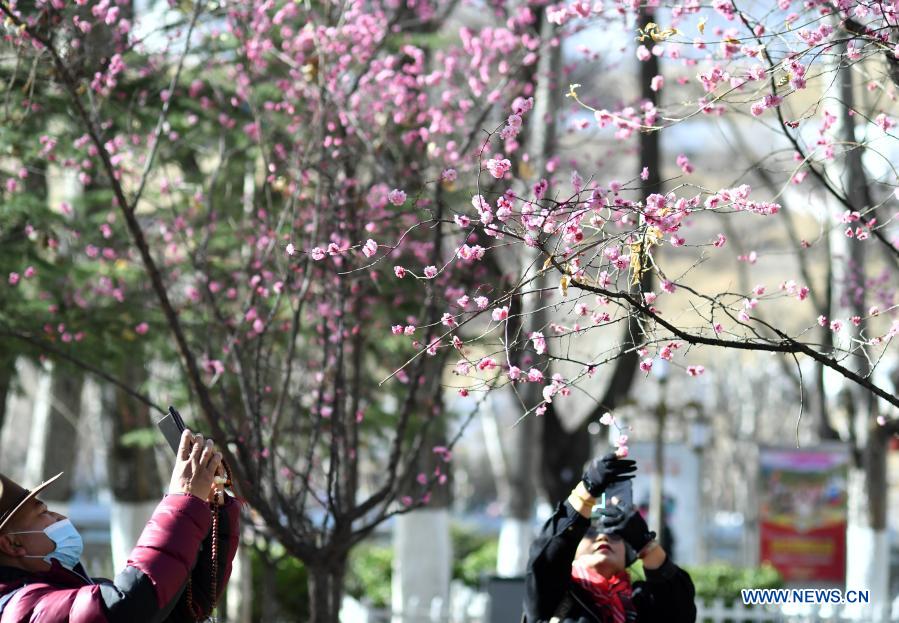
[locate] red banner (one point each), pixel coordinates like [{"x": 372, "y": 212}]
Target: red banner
[{"x": 803, "y": 513}]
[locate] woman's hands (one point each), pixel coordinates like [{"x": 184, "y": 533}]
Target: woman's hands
[
  {"x": 627, "y": 522},
  {"x": 606, "y": 471},
  {"x": 196, "y": 467}
]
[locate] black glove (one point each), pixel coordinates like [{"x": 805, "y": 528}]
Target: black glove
[
  {"x": 605, "y": 471},
  {"x": 627, "y": 522}
]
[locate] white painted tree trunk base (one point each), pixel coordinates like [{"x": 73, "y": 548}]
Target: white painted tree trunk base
[
  {"x": 126, "y": 522},
  {"x": 515, "y": 538},
  {"x": 240, "y": 588},
  {"x": 867, "y": 568},
  {"x": 422, "y": 566},
  {"x": 867, "y": 557}
]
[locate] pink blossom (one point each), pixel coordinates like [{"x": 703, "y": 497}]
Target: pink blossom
[
  {"x": 500, "y": 313},
  {"x": 370, "y": 248},
  {"x": 718, "y": 327},
  {"x": 695, "y": 370},
  {"x": 396, "y": 197},
  {"x": 644, "y": 174},
  {"x": 720, "y": 241},
  {"x": 514, "y": 373},
  {"x": 30, "y": 272},
  {"x": 409, "y": 329},
  {"x": 291, "y": 250},
  {"x": 430, "y": 272},
  {"x": 448, "y": 320},
  {"x": 535, "y": 375},
  {"x": 668, "y": 287},
  {"x": 487, "y": 363},
  {"x": 213, "y": 366},
  {"x": 621, "y": 452},
  {"x": 646, "y": 365},
  {"x": 462, "y": 220},
  {"x": 885, "y": 122},
  {"x": 399, "y": 271},
  {"x": 657, "y": 83},
  {"x": 142, "y": 328},
  {"x": 482, "y": 302},
  {"x": 13, "y": 278},
  {"x": 498, "y": 168},
  {"x": 539, "y": 342},
  {"x": 643, "y": 53},
  {"x": 548, "y": 392},
  {"x": 443, "y": 452},
  {"x": 606, "y": 419},
  {"x": 836, "y": 326},
  {"x": 317, "y": 254},
  {"x": 684, "y": 163},
  {"x": 396, "y": 329}
]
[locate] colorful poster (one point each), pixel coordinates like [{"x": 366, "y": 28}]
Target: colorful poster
[{"x": 803, "y": 512}]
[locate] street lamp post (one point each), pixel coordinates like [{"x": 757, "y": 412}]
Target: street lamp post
[
  {"x": 656, "y": 495},
  {"x": 699, "y": 437}
]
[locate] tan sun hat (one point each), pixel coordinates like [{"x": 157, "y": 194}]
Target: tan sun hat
[{"x": 13, "y": 497}]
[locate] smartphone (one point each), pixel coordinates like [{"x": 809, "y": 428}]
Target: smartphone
[
  {"x": 624, "y": 491},
  {"x": 171, "y": 427}
]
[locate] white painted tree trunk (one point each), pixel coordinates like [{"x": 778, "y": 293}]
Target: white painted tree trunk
[
  {"x": 126, "y": 522},
  {"x": 868, "y": 559},
  {"x": 516, "y": 533},
  {"x": 515, "y": 538},
  {"x": 422, "y": 566},
  {"x": 239, "y": 595}
]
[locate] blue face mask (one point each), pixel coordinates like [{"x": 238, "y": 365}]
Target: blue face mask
[{"x": 69, "y": 545}]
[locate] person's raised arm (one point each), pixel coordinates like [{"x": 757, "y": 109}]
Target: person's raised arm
[
  {"x": 671, "y": 589},
  {"x": 551, "y": 554}
]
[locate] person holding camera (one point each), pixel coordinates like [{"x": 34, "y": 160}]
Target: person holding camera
[
  {"x": 577, "y": 570},
  {"x": 169, "y": 573}
]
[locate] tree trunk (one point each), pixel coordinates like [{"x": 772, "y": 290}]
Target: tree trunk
[
  {"x": 7, "y": 372},
  {"x": 423, "y": 559},
  {"x": 866, "y": 535},
  {"x": 326, "y": 588},
  {"x": 133, "y": 477},
  {"x": 54, "y": 438}
]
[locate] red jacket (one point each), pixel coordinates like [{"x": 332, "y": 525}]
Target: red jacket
[{"x": 175, "y": 544}]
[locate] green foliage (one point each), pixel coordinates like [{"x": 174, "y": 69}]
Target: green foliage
[
  {"x": 725, "y": 581},
  {"x": 472, "y": 568},
  {"x": 141, "y": 438},
  {"x": 286, "y": 585},
  {"x": 369, "y": 574}
]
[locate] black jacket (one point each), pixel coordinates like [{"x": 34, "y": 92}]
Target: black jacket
[{"x": 666, "y": 595}]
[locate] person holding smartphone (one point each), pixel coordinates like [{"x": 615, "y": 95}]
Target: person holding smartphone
[
  {"x": 577, "y": 570},
  {"x": 169, "y": 573}
]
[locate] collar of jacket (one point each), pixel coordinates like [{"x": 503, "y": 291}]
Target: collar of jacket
[{"x": 57, "y": 575}]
